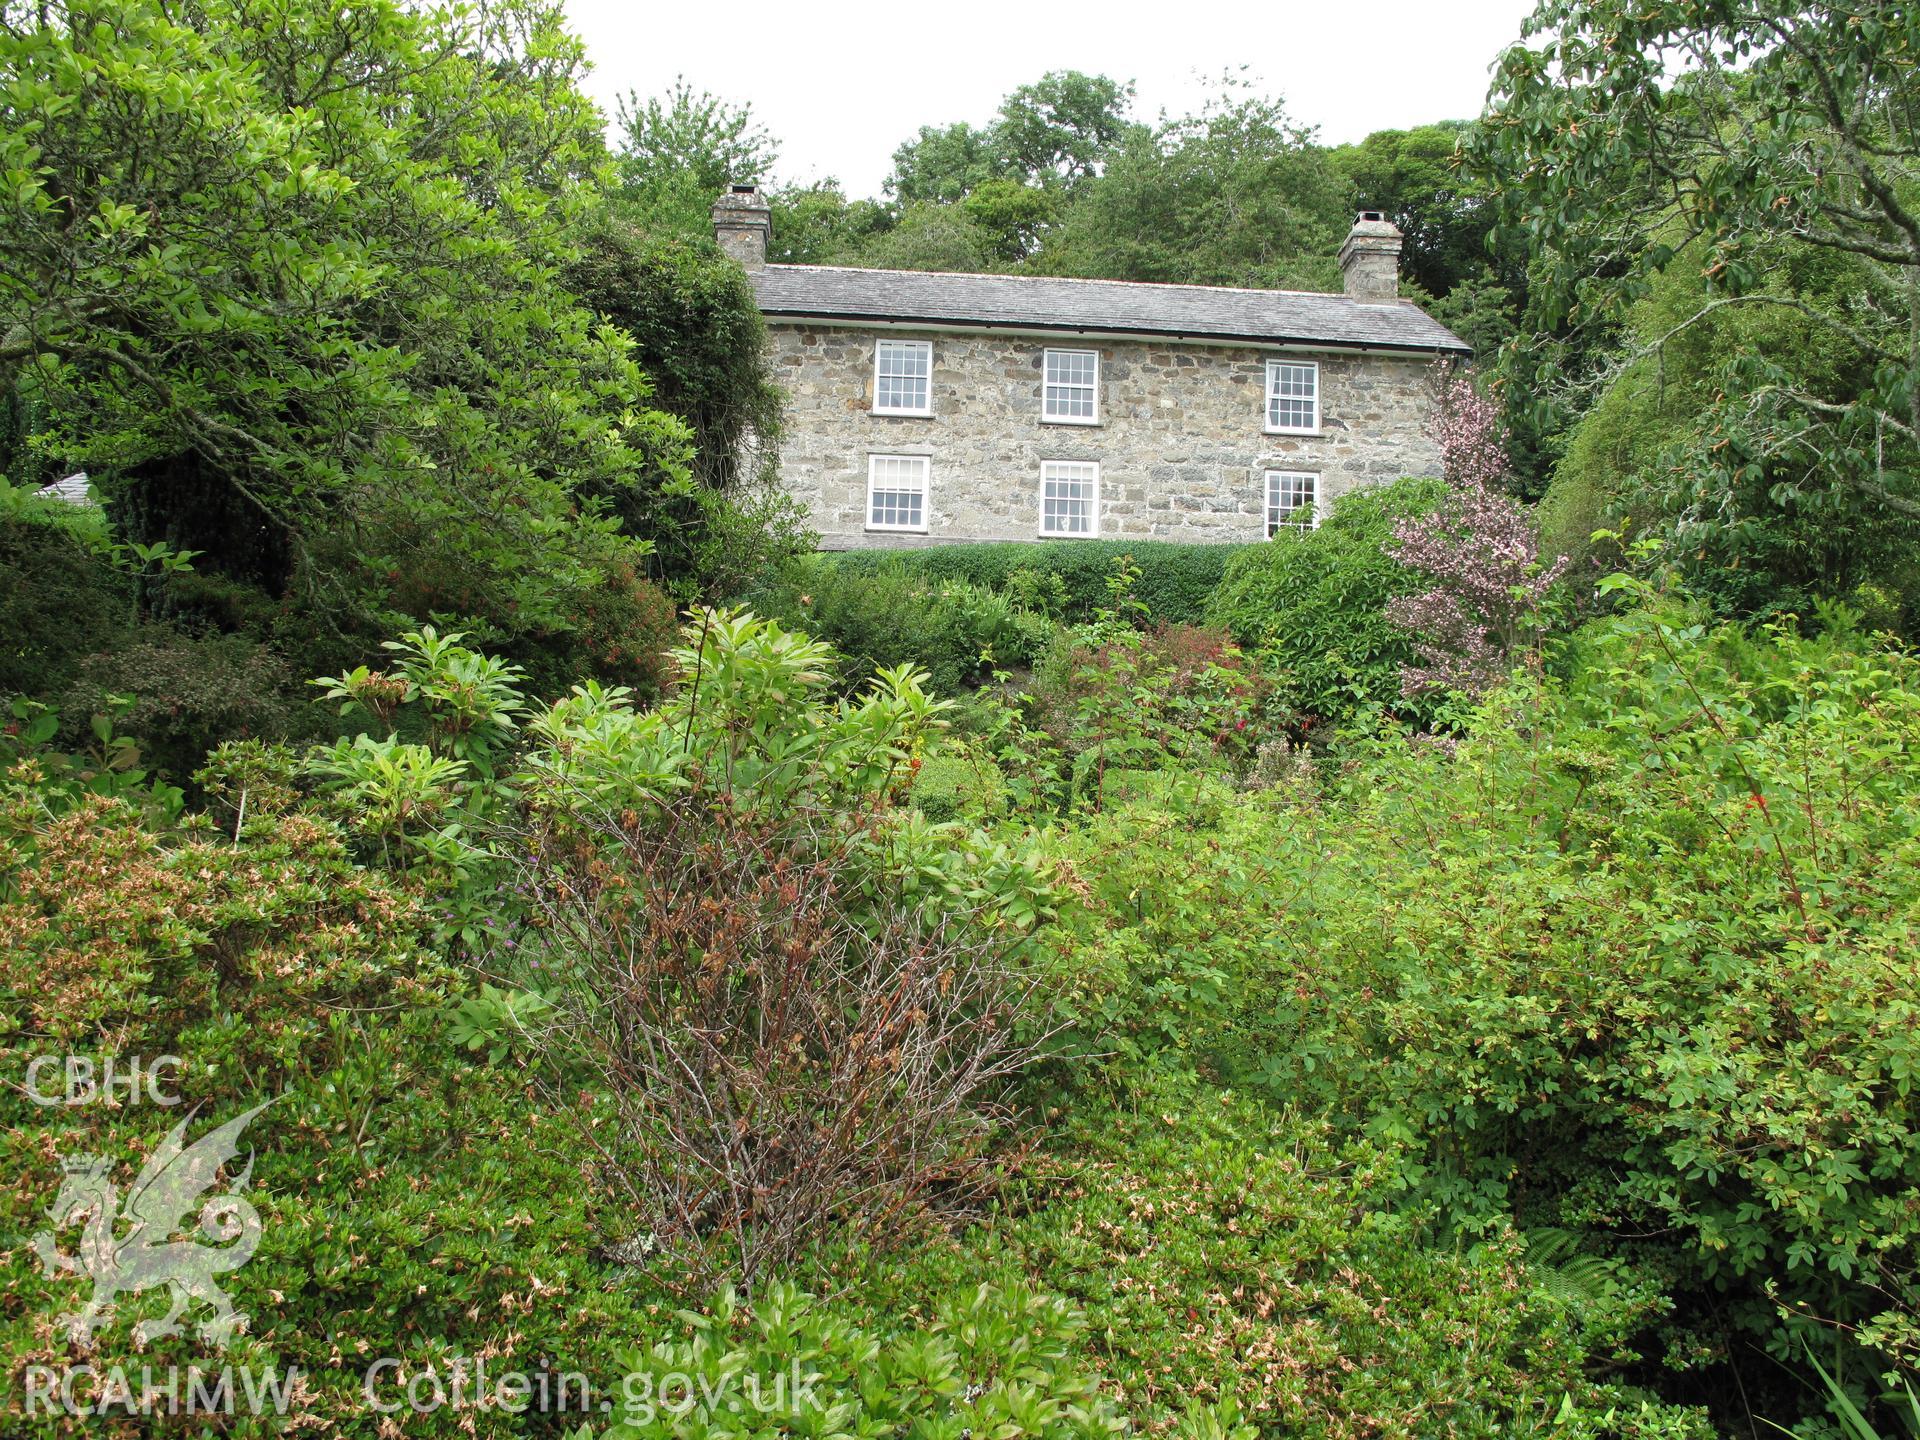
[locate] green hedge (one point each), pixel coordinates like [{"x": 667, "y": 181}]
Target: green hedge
[
  {"x": 887, "y": 615},
  {"x": 1175, "y": 580}
]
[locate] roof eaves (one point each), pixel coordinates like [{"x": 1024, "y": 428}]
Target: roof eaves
[{"x": 1082, "y": 328}]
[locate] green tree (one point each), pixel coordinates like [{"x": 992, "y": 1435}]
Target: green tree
[
  {"x": 931, "y": 237},
  {"x": 1055, "y": 133},
  {"x": 1060, "y": 129},
  {"x": 1237, "y": 194},
  {"x": 691, "y": 134},
  {"x": 1629, "y": 139},
  {"x": 282, "y": 277},
  {"x": 816, "y": 224},
  {"x": 1415, "y": 178},
  {"x": 1011, "y": 178},
  {"x": 674, "y": 154},
  {"x": 1013, "y": 217},
  {"x": 945, "y": 163},
  {"x": 1634, "y": 458}
]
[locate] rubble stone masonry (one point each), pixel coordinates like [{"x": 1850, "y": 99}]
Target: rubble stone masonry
[{"x": 1181, "y": 438}]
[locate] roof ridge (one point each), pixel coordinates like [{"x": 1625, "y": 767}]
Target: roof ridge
[
  {"x": 1077, "y": 303},
  {"x": 1082, "y": 280}
]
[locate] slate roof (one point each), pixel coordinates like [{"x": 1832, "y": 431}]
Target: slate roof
[
  {"x": 1267, "y": 317},
  {"x": 72, "y": 489}
]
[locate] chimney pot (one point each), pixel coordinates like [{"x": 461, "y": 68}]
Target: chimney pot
[
  {"x": 1370, "y": 258},
  {"x": 743, "y": 223}
]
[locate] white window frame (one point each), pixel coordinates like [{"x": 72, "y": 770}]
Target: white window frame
[
  {"x": 1267, "y": 480},
  {"x": 880, "y": 348},
  {"x": 1266, "y": 404},
  {"x": 1046, "y": 384},
  {"x": 1047, "y": 467},
  {"x": 925, "y": 464}
]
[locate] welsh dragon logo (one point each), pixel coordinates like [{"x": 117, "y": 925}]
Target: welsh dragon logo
[{"x": 130, "y": 1246}]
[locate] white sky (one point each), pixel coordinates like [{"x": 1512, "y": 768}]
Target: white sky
[{"x": 840, "y": 85}]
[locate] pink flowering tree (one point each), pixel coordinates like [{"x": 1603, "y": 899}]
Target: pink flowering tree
[{"x": 1480, "y": 548}]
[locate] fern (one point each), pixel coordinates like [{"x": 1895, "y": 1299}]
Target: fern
[{"x": 1573, "y": 1279}]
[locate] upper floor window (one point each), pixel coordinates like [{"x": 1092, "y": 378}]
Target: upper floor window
[
  {"x": 897, "y": 492},
  {"x": 1069, "y": 497},
  {"x": 1071, "y": 393},
  {"x": 903, "y": 377},
  {"x": 1293, "y": 396},
  {"x": 1293, "y": 501}
]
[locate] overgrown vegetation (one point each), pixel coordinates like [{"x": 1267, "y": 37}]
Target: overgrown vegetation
[{"x": 1369, "y": 983}]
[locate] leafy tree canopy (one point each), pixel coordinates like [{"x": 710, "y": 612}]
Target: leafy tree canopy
[
  {"x": 693, "y": 134},
  {"x": 1055, "y": 133},
  {"x": 945, "y": 163},
  {"x": 1236, "y": 195},
  {"x": 817, "y": 225},
  {"x": 1627, "y": 139},
  {"x": 1061, "y": 129},
  {"x": 1415, "y": 177},
  {"x": 296, "y": 259}
]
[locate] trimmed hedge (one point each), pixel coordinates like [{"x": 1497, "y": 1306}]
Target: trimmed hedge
[
  {"x": 1175, "y": 579},
  {"x": 954, "y": 630}
]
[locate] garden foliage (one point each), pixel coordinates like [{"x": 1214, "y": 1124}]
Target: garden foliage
[
  {"x": 1174, "y": 584},
  {"x": 1313, "y": 605},
  {"x": 957, "y": 630},
  {"x": 1630, "y": 960}
]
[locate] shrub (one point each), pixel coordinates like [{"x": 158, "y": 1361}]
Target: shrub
[
  {"x": 799, "y": 996},
  {"x": 1483, "y": 613},
  {"x": 108, "y": 767},
  {"x": 625, "y": 627},
  {"x": 1635, "y": 959},
  {"x": 992, "y": 1361},
  {"x": 1157, "y": 969},
  {"x": 1254, "y": 1267},
  {"x": 59, "y": 602},
  {"x": 1313, "y": 604},
  {"x": 956, "y": 631},
  {"x": 190, "y": 692},
  {"x": 412, "y": 1203},
  {"x": 1111, "y": 697},
  {"x": 108, "y": 927},
  {"x": 958, "y": 783},
  {"x": 419, "y": 791},
  {"x": 1175, "y": 579}
]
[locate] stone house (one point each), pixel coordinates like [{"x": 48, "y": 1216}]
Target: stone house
[{"x": 924, "y": 408}]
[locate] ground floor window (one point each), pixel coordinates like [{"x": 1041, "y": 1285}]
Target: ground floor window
[
  {"x": 1069, "y": 497},
  {"x": 1293, "y": 501},
  {"x": 897, "y": 492}
]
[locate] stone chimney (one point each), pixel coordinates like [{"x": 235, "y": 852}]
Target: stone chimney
[
  {"x": 1370, "y": 258},
  {"x": 743, "y": 222}
]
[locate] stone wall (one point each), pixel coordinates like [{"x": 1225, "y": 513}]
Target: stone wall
[{"x": 1180, "y": 441}]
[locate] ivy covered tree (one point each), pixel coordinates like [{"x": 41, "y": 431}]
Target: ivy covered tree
[{"x": 697, "y": 331}]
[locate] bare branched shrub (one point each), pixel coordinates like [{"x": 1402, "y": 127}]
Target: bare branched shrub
[
  {"x": 778, "y": 1056},
  {"x": 801, "y": 1001}
]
